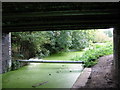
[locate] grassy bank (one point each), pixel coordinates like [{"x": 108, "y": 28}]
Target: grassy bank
[{"x": 91, "y": 55}]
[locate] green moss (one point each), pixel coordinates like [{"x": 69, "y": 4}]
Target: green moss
[
  {"x": 36, "y": 73},
  {"x": 64, "y": 55}
]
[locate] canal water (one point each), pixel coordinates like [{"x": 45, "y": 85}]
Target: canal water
[
  {"x": 45, "y": 75},
  {"x": 42, "y": 75}
]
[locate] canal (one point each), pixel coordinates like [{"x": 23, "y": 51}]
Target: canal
[
  {"x": 47, "y": 74},
  {"x": 44, "y": 75}
]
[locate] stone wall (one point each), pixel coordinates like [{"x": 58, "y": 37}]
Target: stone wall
[
  {"x": 16, "y": 64},
  {"x": 7, "y": 62},
  {"x": 0, "y": 52},
  {"x": 6, "y": 52}
]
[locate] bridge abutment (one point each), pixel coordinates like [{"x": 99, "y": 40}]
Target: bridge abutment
[
  {"x": 117, "y": 55},
  {"x": 6, "y": 52}
]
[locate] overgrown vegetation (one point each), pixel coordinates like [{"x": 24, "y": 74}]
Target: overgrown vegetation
[
  {"x": 41, "y": 44},
  {"x": 91, "y": 55},
  {"x": 26, "y": 45}
]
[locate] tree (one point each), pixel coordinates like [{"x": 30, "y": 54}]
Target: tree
[
  {"x": 81, "y": 39},
  {"x": 27, "y": 44},
  {"x": 44, "y": 43},
  {"x": 108, "y": 33},
  {"x": 101, "y": 37}
]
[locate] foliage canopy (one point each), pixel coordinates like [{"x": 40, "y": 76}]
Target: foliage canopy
[{"x": 26, "y": 45}]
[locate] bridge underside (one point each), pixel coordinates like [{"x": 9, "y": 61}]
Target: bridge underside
[{"x": 41, "y": 16}]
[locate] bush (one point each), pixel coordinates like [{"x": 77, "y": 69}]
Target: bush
[
  {"x": 101, "y": 37},
  {"x": 91, "y": 55}
]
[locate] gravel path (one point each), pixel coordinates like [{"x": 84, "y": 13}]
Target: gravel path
[{"x": 102, "y": 74}]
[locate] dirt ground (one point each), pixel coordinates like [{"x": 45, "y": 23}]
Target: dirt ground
[{"x": 102, "y": 74}]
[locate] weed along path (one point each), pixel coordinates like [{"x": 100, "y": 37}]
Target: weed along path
[{"x": 44, "y": 75}]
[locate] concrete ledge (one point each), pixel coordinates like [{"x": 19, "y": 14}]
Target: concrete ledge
[{"x": 82, "y": 79}]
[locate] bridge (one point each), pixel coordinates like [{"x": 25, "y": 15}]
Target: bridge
[{"x": 21, "y": 17}]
